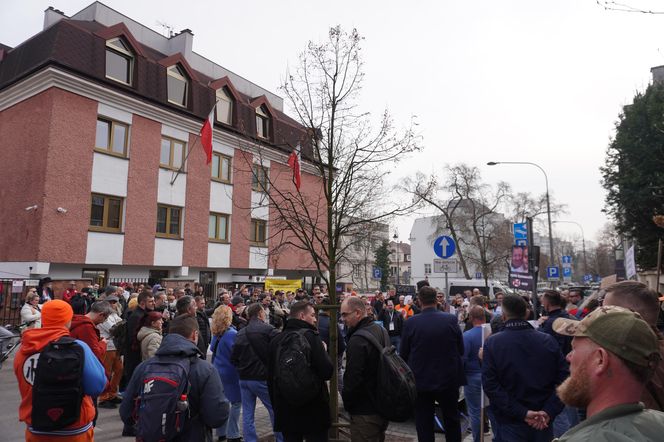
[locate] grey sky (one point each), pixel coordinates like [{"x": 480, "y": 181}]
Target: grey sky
[{"x": 519, "y": 80}]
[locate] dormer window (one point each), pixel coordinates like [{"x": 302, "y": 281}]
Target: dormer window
[
  {"x": 178, "y": 85},
  {"x": 262, "y": 122},
  {"x": 119, "y": 61},
  {"x": 224, "y": 107}
]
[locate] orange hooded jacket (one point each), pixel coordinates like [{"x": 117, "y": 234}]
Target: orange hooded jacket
[{"x": 33, "y": 341}]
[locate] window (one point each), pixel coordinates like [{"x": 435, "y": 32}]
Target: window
[
  {"x": 427, "y": 269},
  {"x": 224, "y": 107},
  {"x": 112, "y": 137},
  {"x": 105, "y": 213},
  {"x": 357, "y": 271},
  {"x": 258, "y": 231},
  {"x": 169, "y": 221},
  {"x": 178, "y": 85},
  {"x": 262, "y": 122},
  {"x": 218, "y": 227},
  {"x": 172, "y": 153},
  {"x": 119, "y": 61},
  {"x": 259, "y": 178},
  {"x": 221, "y": 167}
]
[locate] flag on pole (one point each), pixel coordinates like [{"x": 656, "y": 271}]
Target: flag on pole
[
  {"x": 206, "y": 135},
  {"x": 294, "y": 163}
]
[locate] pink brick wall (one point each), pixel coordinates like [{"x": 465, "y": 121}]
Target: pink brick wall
[{"x": 198, "y": 206}]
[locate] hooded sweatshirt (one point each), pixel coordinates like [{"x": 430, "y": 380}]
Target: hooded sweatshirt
[
  {"x": 94, "y": 380},
  {"x": 150, "y": 339}
]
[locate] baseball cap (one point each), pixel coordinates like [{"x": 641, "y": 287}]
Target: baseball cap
[{"x": 617, "y": 329}]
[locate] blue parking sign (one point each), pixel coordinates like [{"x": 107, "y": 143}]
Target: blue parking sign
[
  {"x": 553, "y": 272},
  {"x": 377, "y": 273},
  {"x": 567, "y": 272}
]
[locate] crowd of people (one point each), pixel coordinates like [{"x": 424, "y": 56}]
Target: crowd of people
[{"x": 546, "y": 374}]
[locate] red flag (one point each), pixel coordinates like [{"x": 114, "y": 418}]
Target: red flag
[
  {"x": 294, "y": 163},
  {"x": 206, "y": 135}
]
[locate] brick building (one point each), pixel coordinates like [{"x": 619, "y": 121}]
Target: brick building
[{"x": 97, "y": 114}]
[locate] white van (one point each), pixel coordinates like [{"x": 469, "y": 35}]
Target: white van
[{"x": 457, "y": 286}]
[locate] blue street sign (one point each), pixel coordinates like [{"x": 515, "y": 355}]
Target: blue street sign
[
  {"x": 567, "y": 259},
  {"x": 553, "y": 272},
  {"x": 598, "y": 278},
  {"x": 377, "y": 273},
  {"x": 587, "y": 278},
  {"x": 478, "y": 275},
  {"x": 521, "y": 242},
  {"x": 567, "y": 272},
  {"x": 444, "y": 247},
  {"x": 520, "y": 231}
]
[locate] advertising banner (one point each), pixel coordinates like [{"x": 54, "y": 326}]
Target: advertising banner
[
  {"x": 520, "y": 276},
  {"x": 283, "y": 284}
]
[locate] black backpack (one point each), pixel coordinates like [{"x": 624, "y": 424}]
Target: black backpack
[
  {"x": 293, "y": 375},
  {"x": 57, "y": 391},
  {"x": 395, "y": 394},
  {"x": 162, "y": 408}
]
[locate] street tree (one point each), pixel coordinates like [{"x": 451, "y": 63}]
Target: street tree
[
  {"x": 347, "y": 156},
  {"x": 632, "y": 173},
  {"x": 382, "y": 261},
  {"x": 470, "y": 213}
]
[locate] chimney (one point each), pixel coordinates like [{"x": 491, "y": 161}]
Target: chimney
[
  {"x": 183, "y": 43},
  {"x": 52, "y": 16},
  {"x": 657, "y": 74}
]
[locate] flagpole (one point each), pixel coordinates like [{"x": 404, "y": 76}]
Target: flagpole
[{"x": 177, "y": 173}]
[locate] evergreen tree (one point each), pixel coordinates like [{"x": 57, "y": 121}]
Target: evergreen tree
[
  {"x": 633, "y": 175},
  {"x": 382, "y": 260}
]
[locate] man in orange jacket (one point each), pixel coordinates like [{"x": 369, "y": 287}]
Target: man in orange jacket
[{"x": 56, "y": 319}]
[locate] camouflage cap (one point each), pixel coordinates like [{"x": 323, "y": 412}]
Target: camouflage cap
[{"x": 618, "y": 330}]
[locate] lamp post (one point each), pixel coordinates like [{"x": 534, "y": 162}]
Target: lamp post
[
  {"x": 396, "y": 237},
  {"x": 548, "y": 204},
  {"x": 583, "y": 242}
]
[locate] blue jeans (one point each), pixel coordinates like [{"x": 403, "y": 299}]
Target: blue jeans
[
  {"x": 522, "y": 432},
  {"x": 231, "y": 429},
  {"x": 473, "y": 394},
  {"x": 250, "y": 390},
  {"x": 396, "y": 341}
]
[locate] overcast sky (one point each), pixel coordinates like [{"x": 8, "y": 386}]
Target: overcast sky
[{"x": 489, "y": 80}]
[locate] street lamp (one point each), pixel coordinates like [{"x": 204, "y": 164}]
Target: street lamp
[
  {"x": 396, "y": 237},
  {"x": 548, "y": 204},
  {"x": 583, "y": 241}
]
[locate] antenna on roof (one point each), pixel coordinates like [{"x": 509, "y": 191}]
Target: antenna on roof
[{"x": 168, "y": 29}]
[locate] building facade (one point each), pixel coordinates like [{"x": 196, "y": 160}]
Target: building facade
[
  {"x": 106, "y": 177},
  {"x": 400, "y": 262},
  {"x": 356, "y": 268}
]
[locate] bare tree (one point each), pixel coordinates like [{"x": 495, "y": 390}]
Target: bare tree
[
  {"x": 346, "y": 159},
  {"x": 469, "y": 212}
]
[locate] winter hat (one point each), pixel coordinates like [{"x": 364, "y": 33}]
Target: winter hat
[{"x": 56, "y": 313}]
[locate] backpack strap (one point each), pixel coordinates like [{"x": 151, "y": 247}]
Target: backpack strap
[
  {"x": 215, "y": 346},
  {"x": 366, "y": 334}
]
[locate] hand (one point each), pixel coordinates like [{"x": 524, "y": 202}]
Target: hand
[
  {"x": 480, "y": 354},
  {"x": 539, "y": 420},
  {"x": 542, "y": 319},
  {"x": 324, "y": 345}
]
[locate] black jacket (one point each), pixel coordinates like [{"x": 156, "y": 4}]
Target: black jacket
[
  {"x": 565, "y": 342},
  {"x": 204, "y": 334},
  {"x": 324, "y": 331},
  {"x": 251, "y": 350},
  {"x": 361, "y": 367},
  {"x": 311, "y": 417},
  {"x": 209, "y": 408},
  {"x": 394, "y": 317}
]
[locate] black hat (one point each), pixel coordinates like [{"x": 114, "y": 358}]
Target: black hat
[
  {"x": 46, "y": 280},
  {"x": 237, "y": 300}
]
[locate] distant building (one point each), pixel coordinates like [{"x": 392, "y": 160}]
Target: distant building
[
  {"x": 355, "y": 271},
  {"x": 97, "y": 114},
  {"x": 400, "y": 254}
]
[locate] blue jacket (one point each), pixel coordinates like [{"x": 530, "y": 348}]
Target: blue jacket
[
  {"x": 472, "y": 341},
  {"x": 521, "y": 370},
  {"x": 209, "y": 408},
  {"x": 222, "y": 362},
  {"x": 432, "y": 345},
  {"x": 324, "y": 332}
]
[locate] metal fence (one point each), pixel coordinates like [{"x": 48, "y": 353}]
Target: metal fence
[{"x": 10, "y": 303}]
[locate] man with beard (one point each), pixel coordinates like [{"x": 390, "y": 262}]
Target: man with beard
[
  {"x": 614, "y": 354},
  {"x": 520, "y": 372}
]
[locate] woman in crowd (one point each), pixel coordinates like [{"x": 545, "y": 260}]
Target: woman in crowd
[
  {"x": 30, "y": 312},
  {"x": 112, "y": 358},
  {"x": 150, "y": 335},
  {"x": 223, "y": 338}
]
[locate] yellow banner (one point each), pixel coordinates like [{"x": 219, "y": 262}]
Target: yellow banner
[{"x": 283, "y": 284}]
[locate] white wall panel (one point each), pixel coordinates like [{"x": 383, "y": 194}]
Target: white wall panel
[
  {"x": 168, "y": 252},
  {"x": 219, "y": 255},
  {"x": 104, "y": 248}
]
